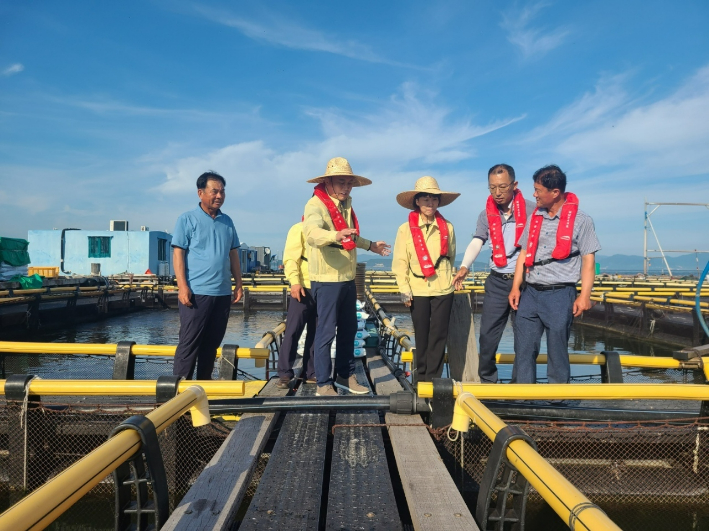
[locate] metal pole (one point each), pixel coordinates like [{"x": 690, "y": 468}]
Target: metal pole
[{"x": 645, "y": 237}]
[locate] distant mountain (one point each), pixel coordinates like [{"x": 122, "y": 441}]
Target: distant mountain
[{"x": 687, "y": 264}]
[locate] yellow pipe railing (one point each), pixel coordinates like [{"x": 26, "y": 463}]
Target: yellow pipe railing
[
  {"x": 44, "y": 505},
  {"x": 107, "y": 349},
  {"x": 213, "y": 388},
  {"x": 555, "y": 489},
  {"x": 642, "y": 362},
  {"x": 627, "y": 391}
]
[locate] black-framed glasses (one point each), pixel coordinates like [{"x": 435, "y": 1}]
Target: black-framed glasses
[{"x": 502, "y": 187}]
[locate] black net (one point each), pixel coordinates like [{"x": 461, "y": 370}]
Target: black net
[
  {"x": 95, "y": 367},
  {"x": 657, "y": 469},
  {"x": 57, "y": 435}
]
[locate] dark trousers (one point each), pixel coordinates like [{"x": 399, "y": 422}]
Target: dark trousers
[
  {"x": 538, "y": 312},
  {"x": 202, "y": 328},
  {"x": 300, "y": 314},
  {"x": 494, "y": 317},
  {"x": 430, "y": 317},
  {"x": 335, "y": 306}
]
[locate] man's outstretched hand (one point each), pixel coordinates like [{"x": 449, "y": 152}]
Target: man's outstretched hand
[{"x": 381, "y": 248}]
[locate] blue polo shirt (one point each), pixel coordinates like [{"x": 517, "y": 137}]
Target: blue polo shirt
[{"x": 207, "y": 243}]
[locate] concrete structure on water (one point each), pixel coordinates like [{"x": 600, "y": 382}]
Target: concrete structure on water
[{"x": 116, "y": 251}]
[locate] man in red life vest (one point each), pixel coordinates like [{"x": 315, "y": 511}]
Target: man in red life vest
[
  {"x": 559, "y": 243},
  {"x": 502, "y": 223},
  {"x": 333, "y": 234}
]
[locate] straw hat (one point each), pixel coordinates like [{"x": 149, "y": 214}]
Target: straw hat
[
  {"x": 425, "y": 185},
  {"x": 340, "y": 166}
]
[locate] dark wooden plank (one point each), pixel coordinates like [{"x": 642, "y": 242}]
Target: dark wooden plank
[
  {"x": 433, "y": 499},
  {"x": 360, "y": 494},
  {"x": 289, "y": 492},
  {"x": 213, "y": 500}
]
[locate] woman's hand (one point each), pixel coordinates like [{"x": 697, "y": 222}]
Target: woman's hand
[{"x": 406, "y": 299}]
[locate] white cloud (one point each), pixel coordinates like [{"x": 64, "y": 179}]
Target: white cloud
[
  {"x": 531, "y": 41},
  {"x": 406, "y": 130},
  {"x": 407, "y": 137},
  {"x": 609, "y": 128},
  {"x": 13, "y": 69},
  {"x": 280, "y": 32},
  {"x": 618, "y": 148}
]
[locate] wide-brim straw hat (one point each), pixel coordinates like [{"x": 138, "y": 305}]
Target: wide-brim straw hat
[
  {"x": 340, "y": 167},
  {"x": 426, "y": 185}
]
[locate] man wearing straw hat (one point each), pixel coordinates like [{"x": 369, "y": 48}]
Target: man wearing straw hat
[
  {"x": 333, "y": 234},
  {"x": 422, "y": 261},
  {"x": 502, "y": 223}
]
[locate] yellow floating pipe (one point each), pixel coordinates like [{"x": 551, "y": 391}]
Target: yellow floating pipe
[
  {"x": 43, "y": 387},
  {"x": 645, "y": 362},
  {"x": 107, "y": 349},
  {"x": 41, "y": 507},
  {"x": 555, "y": 489},
  {"x": 627, "y": 391}
]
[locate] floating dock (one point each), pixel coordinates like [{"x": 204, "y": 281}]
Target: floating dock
[{"x": 448, "y": 456}]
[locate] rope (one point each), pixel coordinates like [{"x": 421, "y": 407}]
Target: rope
[
  {"x": 23, "y": 411},
  {"x": 23, "y": 425}
]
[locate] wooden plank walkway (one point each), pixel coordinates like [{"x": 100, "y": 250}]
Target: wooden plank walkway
[
  {"x": 214, "y": 499},
  {"x": 360, "y": 494},
  {"x": 434, "y": 500},
  {"x": 289, "y": 492}
]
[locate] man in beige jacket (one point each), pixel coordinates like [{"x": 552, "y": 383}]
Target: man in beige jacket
[{"x": 332, "y": 231}]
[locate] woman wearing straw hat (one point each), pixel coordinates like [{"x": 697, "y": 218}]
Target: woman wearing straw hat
[
  {"x": 422, "y": 261},
  {"x": 333, "y": 234}
]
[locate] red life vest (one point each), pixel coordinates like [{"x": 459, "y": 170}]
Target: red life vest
[
  {"x": 425, "y": 261},
  {"x": 495, "y": 227},
  {"x": 565, "y": 229},
  {"x": 336, "y": 217}
]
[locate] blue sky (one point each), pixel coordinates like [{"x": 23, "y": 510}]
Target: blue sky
[{"x": 112, "y": 110}]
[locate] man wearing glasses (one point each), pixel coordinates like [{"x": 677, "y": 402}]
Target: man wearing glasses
[{"x": 502, "y": 222}]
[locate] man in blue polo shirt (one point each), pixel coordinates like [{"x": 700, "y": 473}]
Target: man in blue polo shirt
[{"x": 205, "y": 257}]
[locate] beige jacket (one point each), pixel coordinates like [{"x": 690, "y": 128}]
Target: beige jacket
[
  {"x": 327, "y": 260},
  {"x": 295, "y": 257},
  {"x": 405, "y": 264}
]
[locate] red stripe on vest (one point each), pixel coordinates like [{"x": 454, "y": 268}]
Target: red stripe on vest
[
  {"x": 336, "y": 217},
  {"x": 495, "y": 227},
  {"x": 425, "y": 261},
  {"x": 565, "y": 229}
]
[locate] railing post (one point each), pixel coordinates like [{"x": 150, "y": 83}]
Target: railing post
[
  {"x": 247, "y": 301},
  {"x": 133, "y": 473},
  {"x": 511, "y": 484},
  {"x": 228, "y": 362},
  {"x": 124, "y": 363},
  {"x": 611, "y": 368},
  {"x": 16, "y": 393},
  {"x": 414, "y": 371},
  {"x": 442, "y": 404}
]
